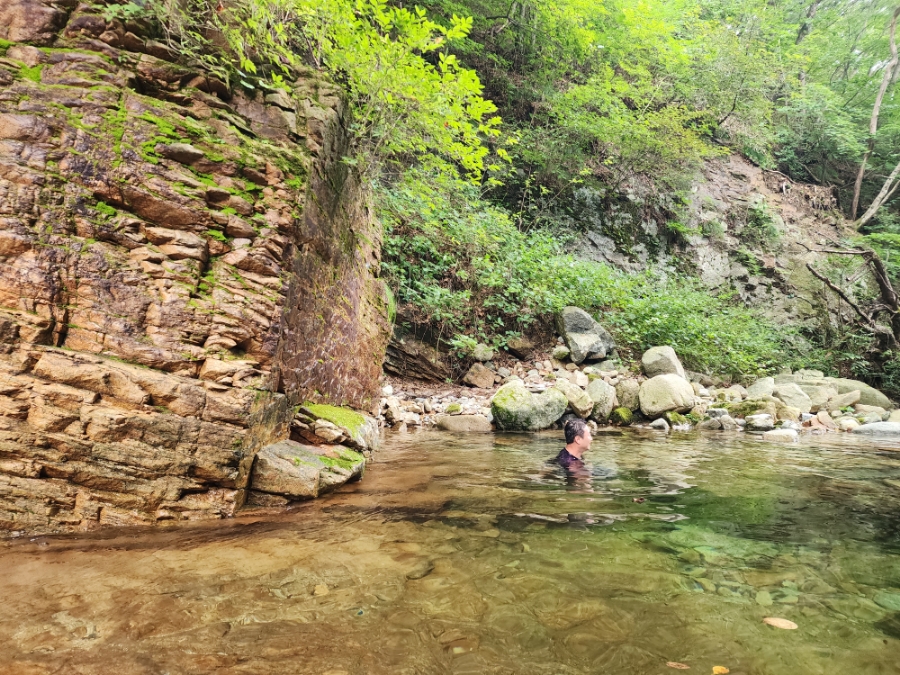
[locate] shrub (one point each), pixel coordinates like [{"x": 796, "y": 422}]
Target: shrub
[{"x": 462, "y": 266}]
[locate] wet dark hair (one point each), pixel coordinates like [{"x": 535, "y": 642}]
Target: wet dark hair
[{"x": 574, "y": 429}]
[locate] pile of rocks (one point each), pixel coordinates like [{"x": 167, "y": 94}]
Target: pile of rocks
[
  {"x": 403, "y": 411},
  {"x": 583, "y": 378}
]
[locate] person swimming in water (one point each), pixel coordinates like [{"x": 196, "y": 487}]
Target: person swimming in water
[{"x": 578, "y": 441}]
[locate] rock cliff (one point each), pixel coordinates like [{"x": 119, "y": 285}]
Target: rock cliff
[{"x": 180, "y": 266}]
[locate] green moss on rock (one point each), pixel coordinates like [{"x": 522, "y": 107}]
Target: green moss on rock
[
  {"x": 349, "y": 419},
  {"x": 621, "y": 417}
]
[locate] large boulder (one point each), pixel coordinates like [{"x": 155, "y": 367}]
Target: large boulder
[
  {"x": 843, "y": 400},
  {"x": 604, "y": 400},
  {"x": 792, "y": 395},
  {"x": 517, "y": 409},
  {"x": 661, "y": 361},
  {"x": 585, "y": 338},
  {"x": 819, "y": 395},
  {"x": 578, "y": 398},
  {"x": 867, "y": 395},
  {"x": 663, "y": 393},
  {"x": 627, "y": 393},
  {"x": 764, "y": 386},
  {"x": 299, "y": 471}
]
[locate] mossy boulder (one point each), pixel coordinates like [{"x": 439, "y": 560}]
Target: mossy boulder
[
  {"x": 674, "y": 418},
  {"x": 361, "y": 430},
  {"x": 299, "y": 471},
  {"x": 621, "y": 417},
  {"x": 517, "y": 409}
]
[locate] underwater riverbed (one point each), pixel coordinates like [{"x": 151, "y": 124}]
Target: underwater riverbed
[{"x": 468, "y": 554}]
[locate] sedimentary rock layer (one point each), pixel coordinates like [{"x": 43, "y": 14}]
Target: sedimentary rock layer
[{"x": 180, "y": 264}]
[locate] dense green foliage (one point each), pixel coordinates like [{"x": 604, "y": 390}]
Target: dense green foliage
[
  {"x": 620, "y": 100},
  {"x": 464, "y": 267}
]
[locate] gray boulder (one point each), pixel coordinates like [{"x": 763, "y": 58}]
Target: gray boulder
[
  {"x": 661, "y": 361},
  {"x": 764, "y": 422},
  {"x": 663, "y": 393},
  {"x": 764, "y": 386},
  {"x": 627, "y": 393},
  {"x": 792, "y": 395},
  {"x": 878, "y": 429},
  {"x": 578, "y": 398},
  {"x": 585, "y": 338},
  {"x": 867, "y": 395},
  {"x": 603, "y": 397},
  {"x": 843, "y": 400},
  {"x": 728, "y": 423},
  {"x": 819, "y": 395},
  {"x": 298, "y": 471},
  {"x": 516, "y": 409},
  {"x": 660, "y": 424},
  {"x": 464, "y": 424}
]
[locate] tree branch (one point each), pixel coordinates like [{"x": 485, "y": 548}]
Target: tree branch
[
  {"x": 876, "y": 109},
  {"x": 821, "y": 277}
]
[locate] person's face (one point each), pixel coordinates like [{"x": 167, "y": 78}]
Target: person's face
[{"x": 584, "y": 441}]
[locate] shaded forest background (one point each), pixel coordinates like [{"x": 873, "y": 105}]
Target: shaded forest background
[{"x": 478, "y": 122}]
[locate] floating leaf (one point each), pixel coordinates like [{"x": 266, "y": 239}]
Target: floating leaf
[
  {"x": 780, "y": 623},
  {"x": 720, "y": 670},
  {"x": 677, "y": 666}
]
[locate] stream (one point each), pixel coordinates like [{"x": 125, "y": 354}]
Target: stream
[{"x": 470, "y": 554}]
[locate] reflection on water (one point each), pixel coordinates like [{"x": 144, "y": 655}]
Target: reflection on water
[{"x": 470, "y": 554}]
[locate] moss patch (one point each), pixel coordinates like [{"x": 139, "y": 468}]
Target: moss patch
[
  {"x": 346, "y": 418},
  {"x": 621, "y": 417}
]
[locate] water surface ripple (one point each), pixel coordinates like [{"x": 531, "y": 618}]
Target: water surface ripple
[{"x": 469, "y": 554}]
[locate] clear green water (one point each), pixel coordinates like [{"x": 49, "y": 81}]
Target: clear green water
[{"x": 467, "y": 555}]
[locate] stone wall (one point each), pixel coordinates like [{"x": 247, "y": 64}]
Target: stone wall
[{"x": 180, "y": 264}]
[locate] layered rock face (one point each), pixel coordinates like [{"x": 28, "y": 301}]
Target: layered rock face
[{"x": 180, "y": 265}]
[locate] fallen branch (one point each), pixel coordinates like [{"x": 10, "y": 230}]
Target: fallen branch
[{"x": 821, "y": 277}]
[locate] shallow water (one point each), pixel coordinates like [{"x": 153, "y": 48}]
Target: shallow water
[{"x": 466, "y": 554}]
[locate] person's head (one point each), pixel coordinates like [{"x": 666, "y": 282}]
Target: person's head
[{"x": 578, "y": 433}]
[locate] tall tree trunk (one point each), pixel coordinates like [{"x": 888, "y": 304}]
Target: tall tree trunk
[
  {"x": 887, "y": 191},
  {"x": 876, "y": 109},
  {"x": 807, "y": 25}
]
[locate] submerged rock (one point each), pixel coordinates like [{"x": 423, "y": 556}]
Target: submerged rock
[
  {"x": 664, "y": 393},
  {"x": 298, "y": 471},
  {"x": 878, "y": 428},
  {"x": 517, "y": 409},
  {"x": 781, "y": 435},
  {"x": 585, "y": 338},
  {"x": 464, "y": 423},
  {"x": 661, "y": 361}
]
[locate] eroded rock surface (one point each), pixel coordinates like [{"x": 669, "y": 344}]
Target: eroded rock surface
[{"x": 168, "y": 257}]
